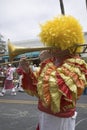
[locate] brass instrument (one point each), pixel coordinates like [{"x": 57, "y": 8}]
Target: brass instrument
[{"x": 14, "y": 51}]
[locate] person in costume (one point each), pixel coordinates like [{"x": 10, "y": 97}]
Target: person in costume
[
  {"x": 8, "y": 83},
  {"x": 62, "y": 76}
]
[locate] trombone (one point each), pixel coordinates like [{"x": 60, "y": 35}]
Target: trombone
[{"x": 15, "y": 51}]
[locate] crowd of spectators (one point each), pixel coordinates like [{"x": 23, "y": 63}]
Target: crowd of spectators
[{"x": 11, "y": 79}]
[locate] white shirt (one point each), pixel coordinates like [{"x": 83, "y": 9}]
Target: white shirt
[{"x": 10, "y": 72}]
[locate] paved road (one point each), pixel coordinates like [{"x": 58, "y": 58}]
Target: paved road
[
  {"x": 81, "y": 122},
  {"x": 20, "y": 112}
]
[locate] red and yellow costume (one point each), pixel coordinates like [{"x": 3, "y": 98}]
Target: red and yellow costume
[{"x": 57, "y": 88}]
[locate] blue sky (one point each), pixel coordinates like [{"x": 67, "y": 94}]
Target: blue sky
[{"x": 20, "y": 19}]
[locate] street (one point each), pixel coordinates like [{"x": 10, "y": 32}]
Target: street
[{"x": 20, "y": 112}]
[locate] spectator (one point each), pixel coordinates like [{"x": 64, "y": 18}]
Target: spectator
[{"x": 8, "y": 84}]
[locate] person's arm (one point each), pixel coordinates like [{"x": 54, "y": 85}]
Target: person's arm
[{"x": 29, "y": 80}]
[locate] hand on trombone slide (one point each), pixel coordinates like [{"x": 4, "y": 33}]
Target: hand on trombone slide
[{"x": 24, "y": 64}]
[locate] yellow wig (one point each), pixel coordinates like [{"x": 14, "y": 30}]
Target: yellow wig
[{"x": 62, "y": 32}]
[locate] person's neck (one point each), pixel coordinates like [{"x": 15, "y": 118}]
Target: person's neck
[{"x": 61, "y": 56}]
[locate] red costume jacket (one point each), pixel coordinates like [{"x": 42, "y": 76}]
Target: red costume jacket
[{"x": 57, "y": 88}]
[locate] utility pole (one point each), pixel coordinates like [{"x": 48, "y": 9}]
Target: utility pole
[{"x": 62, "y": 7}]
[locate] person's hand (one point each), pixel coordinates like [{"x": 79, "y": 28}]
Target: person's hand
[
  {"x": 24, "y": 63},
  {"x": 45, "y": 55}
]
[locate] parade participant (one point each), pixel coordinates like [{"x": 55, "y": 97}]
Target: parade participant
[
  {"x": 62, "y": 76},
  {"x": 8, "y": 83}
]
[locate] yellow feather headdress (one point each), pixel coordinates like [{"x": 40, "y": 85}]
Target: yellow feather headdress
[{"x": 62, "y": 32}]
